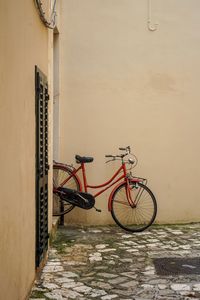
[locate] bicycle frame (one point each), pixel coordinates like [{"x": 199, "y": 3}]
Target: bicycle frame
[{"x": 106, "y": 185}]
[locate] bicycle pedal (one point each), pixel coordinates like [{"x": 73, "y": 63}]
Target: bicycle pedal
[{"x": 98, "y": 210}]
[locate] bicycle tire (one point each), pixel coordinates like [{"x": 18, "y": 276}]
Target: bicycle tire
[
  {"x": 61, "y": 207},
  {"x": 125, "y": 216}
]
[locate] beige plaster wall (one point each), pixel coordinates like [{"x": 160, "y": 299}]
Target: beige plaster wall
[
  {"x": 23, "y": 44},
  {"x": 122, "y": 84}
]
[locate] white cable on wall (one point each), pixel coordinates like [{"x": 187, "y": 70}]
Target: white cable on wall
[
  {"x": 52, "y": 20},
  {"x": 151, "y": 26}
]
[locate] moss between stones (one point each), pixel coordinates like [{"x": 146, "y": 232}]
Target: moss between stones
[
  {"x": 60, "y": 248},
  {"x": 60, "y": 242},
  {"x": 39, "y": 294}
]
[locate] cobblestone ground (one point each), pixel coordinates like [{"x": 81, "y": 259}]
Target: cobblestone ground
[{"x": 109, "y": 263}]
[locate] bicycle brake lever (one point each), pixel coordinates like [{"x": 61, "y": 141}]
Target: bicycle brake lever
[{"x": 110, "y": 160}]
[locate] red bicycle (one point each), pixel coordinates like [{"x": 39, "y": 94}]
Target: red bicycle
[{"x": 131, "y": 203}]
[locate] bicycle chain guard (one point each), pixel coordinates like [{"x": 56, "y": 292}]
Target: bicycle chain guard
[{"x": 80, "y": 199}]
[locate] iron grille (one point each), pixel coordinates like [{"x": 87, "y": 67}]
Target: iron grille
[{"x": 42, "y": 97}]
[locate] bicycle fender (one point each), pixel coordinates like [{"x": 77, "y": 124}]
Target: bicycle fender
[{"x": 116, "y": 187}]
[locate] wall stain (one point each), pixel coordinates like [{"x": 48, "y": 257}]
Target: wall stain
[{"x": 162, "y": 82}]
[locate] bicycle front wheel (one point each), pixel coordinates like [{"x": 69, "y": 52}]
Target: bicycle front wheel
[
  {"x": 139, "y": 217},
  {"x": 61, "y": 173}
]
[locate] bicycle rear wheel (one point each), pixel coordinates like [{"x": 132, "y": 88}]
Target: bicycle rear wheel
[
  {"x": 138, "y": 218},
  {"x": 60, "y": 173}
]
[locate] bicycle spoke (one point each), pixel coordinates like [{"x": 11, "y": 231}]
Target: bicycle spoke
[
  {"x": 60, "y": 174},
  {"x": 123, "y": 203}
]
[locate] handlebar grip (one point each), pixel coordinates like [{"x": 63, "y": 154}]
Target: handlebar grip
[
  {"x": 108, "y": 155},
  {"x": 123, "y": 149}
]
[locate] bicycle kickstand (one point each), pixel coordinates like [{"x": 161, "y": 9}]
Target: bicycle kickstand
[{"x": 98, "y": 210}]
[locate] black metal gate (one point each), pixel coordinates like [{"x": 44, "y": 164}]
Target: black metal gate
[{"x": 42, "y": 167}]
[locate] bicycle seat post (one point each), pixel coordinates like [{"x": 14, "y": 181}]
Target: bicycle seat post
[{"x": 84, "y": 176}]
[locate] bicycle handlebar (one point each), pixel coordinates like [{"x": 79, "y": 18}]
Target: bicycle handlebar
[
  {"x": 116, "y": 156},
  {"x": 121, "y": 156},
  {"x": 128, "y": 149}
]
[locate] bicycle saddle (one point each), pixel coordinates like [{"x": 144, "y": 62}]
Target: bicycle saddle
[{"x": 83, "y": 159}]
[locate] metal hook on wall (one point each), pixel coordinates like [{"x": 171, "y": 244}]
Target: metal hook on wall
[{"x": 151, "y": 27}]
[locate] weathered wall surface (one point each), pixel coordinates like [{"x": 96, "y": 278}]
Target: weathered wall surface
[
  {"x": 23, "y": 44},
  {"x": 122, "y": 84}
]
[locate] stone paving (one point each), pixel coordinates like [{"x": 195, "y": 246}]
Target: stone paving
[{"x": 103, "y": 263}]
